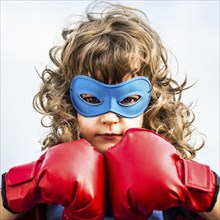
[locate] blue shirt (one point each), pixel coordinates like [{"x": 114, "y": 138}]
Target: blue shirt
[{"x": 55, "y": 213}]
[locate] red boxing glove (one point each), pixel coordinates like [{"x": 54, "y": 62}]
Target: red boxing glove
[
  {"x": 71, "y": 174},
  {"x": 146, "y": 173}
]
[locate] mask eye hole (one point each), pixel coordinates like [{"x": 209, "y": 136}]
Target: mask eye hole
[
  {"x": 90, "y": 99},
  {"x": 130, "y": 100}
]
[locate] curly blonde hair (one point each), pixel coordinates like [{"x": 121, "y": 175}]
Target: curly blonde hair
[{"x": 107, "y": 45}]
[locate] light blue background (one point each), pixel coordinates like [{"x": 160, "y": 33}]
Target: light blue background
[{"x": 190, "y": 29}]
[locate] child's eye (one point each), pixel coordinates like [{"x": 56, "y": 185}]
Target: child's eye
[
  {"x": 90, "y": 99},
  {"x": 130, "y": 100}
]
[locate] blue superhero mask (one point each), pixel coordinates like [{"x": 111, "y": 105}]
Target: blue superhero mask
[{"x": 128, "y": 99}]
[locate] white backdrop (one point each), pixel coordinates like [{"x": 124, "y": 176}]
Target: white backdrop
[{"x": 190, "y": 29}]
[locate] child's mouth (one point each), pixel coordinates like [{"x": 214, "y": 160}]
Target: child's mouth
[{"x": 110, "y": 136}]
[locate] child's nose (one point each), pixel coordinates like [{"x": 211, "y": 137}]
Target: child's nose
[{"x": 109, "y": 118}]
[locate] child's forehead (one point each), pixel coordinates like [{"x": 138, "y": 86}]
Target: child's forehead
[
  {"x": 128, "y": 76},
  {"x": 111, "y": 78}
]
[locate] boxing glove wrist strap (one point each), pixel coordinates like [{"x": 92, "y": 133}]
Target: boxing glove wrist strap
[
  {"x": 214, "y": 199},
  {"x": 3, "y": 192}
]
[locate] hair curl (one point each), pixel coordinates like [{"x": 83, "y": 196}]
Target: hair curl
[{"x": 107, "y": 45}]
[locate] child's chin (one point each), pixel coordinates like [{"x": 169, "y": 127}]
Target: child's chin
[{"x": 102, "y": 149}]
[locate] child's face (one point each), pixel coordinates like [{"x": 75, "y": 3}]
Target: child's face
[
  {"x": 104, "y": 131},
  {"x": 105, "y": 112}
]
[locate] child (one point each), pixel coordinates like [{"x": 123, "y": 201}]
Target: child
[{"x": 112, "y": 79}]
